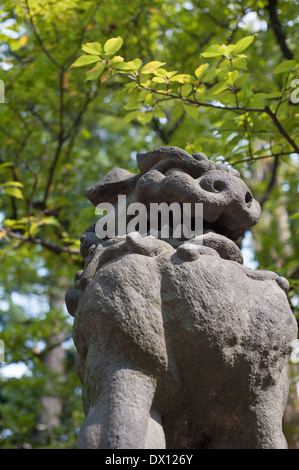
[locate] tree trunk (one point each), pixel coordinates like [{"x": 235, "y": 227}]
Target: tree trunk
[
  {"x": 53, "y": 361},
  {"x": 51, "y": 401}
]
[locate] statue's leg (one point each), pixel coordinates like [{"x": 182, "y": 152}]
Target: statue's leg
[
  {"x": 155, "y": 437},
  {"x": 258, "y": 424},
  {"x": 120, "y": 414},
  {"x": 269, "y": 413}
]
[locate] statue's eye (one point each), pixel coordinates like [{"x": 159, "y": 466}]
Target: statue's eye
[{"x": 213, "y": 185}]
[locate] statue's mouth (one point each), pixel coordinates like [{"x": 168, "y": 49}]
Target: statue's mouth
[
  {"x": 219, "y": 238},
  {"x": 212, "y": 234},
  {"x": 232, "y": 232},
  {"x": 180, "y": 230}
]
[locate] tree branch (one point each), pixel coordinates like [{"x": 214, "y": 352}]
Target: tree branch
[
  {"x": 40, "y": 118},
  {"x": 275, "y": 23},
  {"x": 76, "y": 123},
  {"x": 262, "y": 157},
  {"x": 61, "y": 137},
  {"x": 169, "y": 96},
  {"x": 238, "y": 109},
  {"x": 38, "y": 241},
  {"x": 272, "y": 181},
  {"x": 281, "y": 129},
  {"x": 30, "y": 201},
  {"x": 45, "y": 51}
]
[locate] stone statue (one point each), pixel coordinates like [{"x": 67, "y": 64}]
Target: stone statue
[{"x": 179, "y": 345}]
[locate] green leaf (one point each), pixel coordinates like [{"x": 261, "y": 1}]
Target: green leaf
[
  {"x": 186, "y": 90},
  {"x": 243, "y": 44},
  {"x": 152, "y": 66},
  {"x": 230, "y": 48},
  {"x": 5, "y": 165},
  {"x": 218, "y": 88},
  {"x": 274, "y": 94},
  {"x": 20, "y": 223},
  {"x": 133, "y": 101},
  {"x": 113, "y": 45},
  {"x": 116, "y": 60},
  {"x": 201, "y": 70},
  {"x": 159, "y": 79},
  {"x": 181, "y": 78},
  {"x": 214, "y": 51},
  {"x": 177, "y": 111},
  {"x": 200, "y": 91},
  {"x": 12, "y": 183},
  {"x": 131, "y": 65},
  {"x": 51, "y": 220},
  {"x": 85, "y": 60},
  {"x": 163, "y": 73},
  {"x": 14, "y": 192},
  {"x": 228, "y": 98},
  {"x": 95, "y": 73},
  {"x": 285, "y": 66},
  {"x": 149, "y": 99},
  {"x": 158, "y": 113},
  {"x": 93, "y": 48},
  {"x": 240, "y": 63},
  {"x": 244, "y": 80},
  {"x": 129, "y": 117},
  {"x": 191, "y": 111},
  {"x": 105, "y": 76},
  {"x": 145, "y": 118},
  {"x": 232, "y": 76},
  {"x": 258, "y": 99},
  {"x": 120, "y": 95},
  {"x": 170, "y": 74},
  {"x": 137, "y": 63}
]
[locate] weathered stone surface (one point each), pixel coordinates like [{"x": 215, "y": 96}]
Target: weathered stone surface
[{"x": 179, "y": 345}]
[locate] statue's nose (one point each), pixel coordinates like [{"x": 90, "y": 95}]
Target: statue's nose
[
  {"x": 227, "y": 187},
  {"x": 229, "y": 202},
  {"x": 248, "y": 198}
]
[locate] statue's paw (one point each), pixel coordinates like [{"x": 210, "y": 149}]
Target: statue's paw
[
  {"x": 226, "y": 248},
  {"x": 193, "y": 251},
  {"x": 147, "y": 246},
  {"x": 283, "y": 283},
  {"x": 71, "y": 300},
  {"x": 87, "y": 240}
]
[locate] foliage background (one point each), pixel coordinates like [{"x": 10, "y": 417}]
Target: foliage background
[{"x": 60, "y": 133}]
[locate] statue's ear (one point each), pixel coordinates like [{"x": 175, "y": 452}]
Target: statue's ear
[{"x": 117, "y": 181}]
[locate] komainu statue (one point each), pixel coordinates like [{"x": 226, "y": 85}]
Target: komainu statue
[{"x": 179, "y": 346}]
